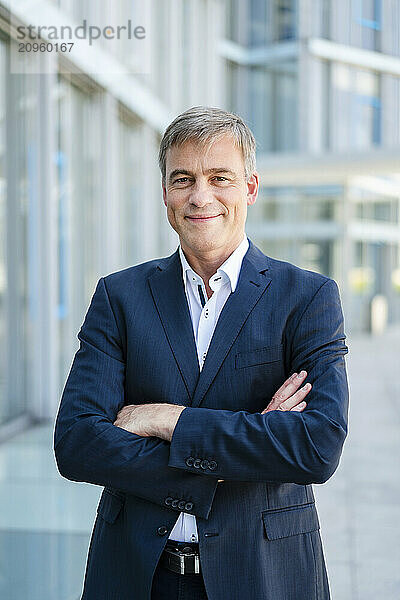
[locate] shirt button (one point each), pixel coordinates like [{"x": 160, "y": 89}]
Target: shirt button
[
  {"x": 174, "y": 503},
  {"x": 204, "y": 464},
  {"x": 212, "y": 465},
  {"x": 188, "y": 505},
  {"x": 168, "y": 501},
  {"x": 197, "y": 463},
  {"x": 189, "y": 461},
  {"x": 181, "y": 505},
  {"x": 162, "y": 530}
]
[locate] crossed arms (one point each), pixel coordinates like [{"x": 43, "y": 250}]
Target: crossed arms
[
  {"x": 300, "y": 446},
  {"x": 160, "y": 420}
]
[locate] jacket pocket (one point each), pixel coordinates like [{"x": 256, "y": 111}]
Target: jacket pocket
[
  {"x": 110, "y": 506},
  {"x": 293, "y": 520},
  {"x": 259, "y": 357}
]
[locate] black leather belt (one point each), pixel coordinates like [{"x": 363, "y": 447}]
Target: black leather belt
[{"x": 181, "y": 558}]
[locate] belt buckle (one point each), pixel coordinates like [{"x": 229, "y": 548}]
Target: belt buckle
[
  {"x": 182, "y": 555},
  {"x": 196, "y": 564},
  {"x": 189, "y": 555}
]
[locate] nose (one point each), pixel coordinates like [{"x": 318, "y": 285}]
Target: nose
[{"x": 201, "y": 195}]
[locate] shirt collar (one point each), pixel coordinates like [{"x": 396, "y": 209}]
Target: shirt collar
[{"x": 231, "y": 267}]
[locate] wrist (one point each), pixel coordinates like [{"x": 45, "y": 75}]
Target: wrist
[{"x": 167, "y": 420}]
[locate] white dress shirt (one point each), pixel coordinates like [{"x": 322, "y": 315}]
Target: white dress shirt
[{"x": 205, "y": 313}]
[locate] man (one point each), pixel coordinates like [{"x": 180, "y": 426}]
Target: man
[{"x": 186, "y": 399}]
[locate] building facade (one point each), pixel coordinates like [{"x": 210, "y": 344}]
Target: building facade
[
  {"x": 80, "y": 192},
  {"x": 317, "y": 80}
]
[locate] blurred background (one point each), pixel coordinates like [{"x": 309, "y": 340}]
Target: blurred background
[{"x": 318, "y": 81}]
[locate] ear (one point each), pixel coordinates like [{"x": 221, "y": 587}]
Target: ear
[
  {"x": 164, "y": 193},
  {"x": 252, "y": 188}
]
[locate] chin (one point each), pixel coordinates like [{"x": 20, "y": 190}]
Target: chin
[{"x": 204, "y": 244}]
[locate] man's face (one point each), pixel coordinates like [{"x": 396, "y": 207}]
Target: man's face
[{"x": 206, "y": 195}]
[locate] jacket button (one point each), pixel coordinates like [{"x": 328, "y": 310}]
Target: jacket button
[
  {"x": 181, "y": 504},
  {"x": 189, "y": 461},
  {"x": 197, "y": 463},
  {"x": 204, "y": 464},
  {"x": 174, "y": 503},
  {"x": 212, "y": 465},
  {"x": 168, "y": 501},
  {"x": 162, "y": 530},
  {"x": 188, "y": 505}
]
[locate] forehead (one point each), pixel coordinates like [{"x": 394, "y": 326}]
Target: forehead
[{"x": 222, "y": 152}]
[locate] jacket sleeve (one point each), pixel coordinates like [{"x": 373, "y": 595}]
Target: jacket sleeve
[
  {"x": 298, "y": 447},
  {"x": 88, "y": 447}
]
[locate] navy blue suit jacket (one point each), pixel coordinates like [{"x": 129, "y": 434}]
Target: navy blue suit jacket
[{"x": 258, "y": 530}]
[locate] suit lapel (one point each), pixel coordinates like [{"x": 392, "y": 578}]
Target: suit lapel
[
  {"x": 169, "y": 297},
  {"x": 251, "y": 285}
]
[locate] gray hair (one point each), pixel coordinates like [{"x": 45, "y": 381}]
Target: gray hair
[{"x": 205, "y": 125}]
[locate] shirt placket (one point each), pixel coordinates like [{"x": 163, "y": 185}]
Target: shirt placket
[{"x": 206, "y": 327}]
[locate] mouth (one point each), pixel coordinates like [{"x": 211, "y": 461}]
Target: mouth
[{"x": 201, "y": 218}]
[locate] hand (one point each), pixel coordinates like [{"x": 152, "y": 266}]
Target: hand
[
  {"x": 289, "y": 397},
  {"x": 147, "y": 420}
]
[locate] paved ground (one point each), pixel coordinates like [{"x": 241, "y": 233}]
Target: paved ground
[
  {"x": 360, "y": 506},
  {"x": 45, "y": 521}
]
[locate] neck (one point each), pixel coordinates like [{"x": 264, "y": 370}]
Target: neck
[{"x": 207, "y": 263}]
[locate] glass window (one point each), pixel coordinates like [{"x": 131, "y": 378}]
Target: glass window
[
  {"x": 383, "y": 211},
  {"x": 18, "y": 262},
  {"x": 186, "y": 54},
  {"x": 232, "y": 84},
  {"x": 322, "y": 23},
  {"x": 285, "y": 20},
  {"x": 285, "y": 108},
  {"x": 234, "y": 27},
  {"x": 269, "y": 105},
  {"x": 130, "y": 165},
  {"x": 367, "y": 14},
  {"x": 160, "y": 65},
  {"x": 366, "y": 109},
  {"x": 317, "y": 256},
  {"x": 79, "y": 210},
  {"x": 357, "y": 106},
  {"x": 317, "y": 209},
  {"x": 258, "y": 20},
  {"x": 261, "y": 107},
  {"x": 296, "y": 204},
  {"x": 3, "y": 214}
]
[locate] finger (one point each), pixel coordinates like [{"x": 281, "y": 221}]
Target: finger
[
  {"x": 287, "y": 390},
  {"x": 279, "y": 395},
  {"x": 292, "y": 386},
  {"x": 285, "y": 384},
  {"x": 296, "y": 398},
  {"x": 299, "y": 407}
]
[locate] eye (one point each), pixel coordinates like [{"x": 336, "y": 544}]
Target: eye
[
  {"x": 220, "y": 178},
  {"x": 181, "y": 180}
]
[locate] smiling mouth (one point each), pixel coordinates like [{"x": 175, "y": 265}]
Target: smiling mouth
[{"x": 202, "y": 217}]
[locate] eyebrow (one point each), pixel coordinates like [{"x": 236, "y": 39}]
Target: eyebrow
[{"x": 214, "y": 170}]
